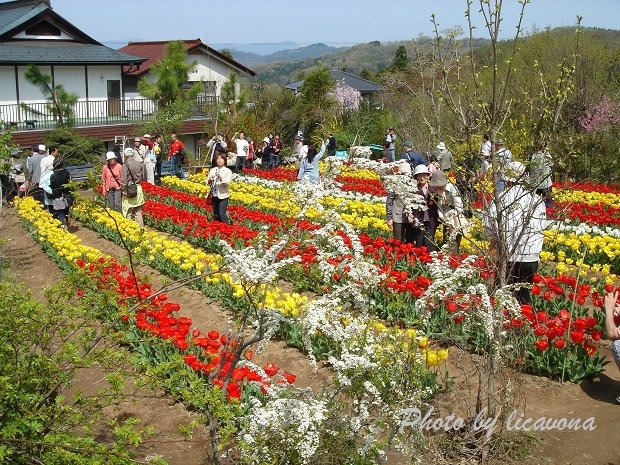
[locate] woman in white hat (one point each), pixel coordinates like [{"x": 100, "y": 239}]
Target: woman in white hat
[
  {"x": 111, "y": 177},
  {"x": 425, "y": 221},
  {"x": 132, "y": 174}
]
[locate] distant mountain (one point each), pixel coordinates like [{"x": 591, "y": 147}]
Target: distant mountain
[
  {"x": 296, "y": 54},
  {"x": 257, "y": 48}
]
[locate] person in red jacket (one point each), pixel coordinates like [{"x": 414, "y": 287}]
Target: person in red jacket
[{"x": 177, "y": 155}]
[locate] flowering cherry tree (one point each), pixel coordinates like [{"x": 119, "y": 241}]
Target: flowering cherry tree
[
  {"x": 604, "y": 113},
  {"x": 348, "y": 98}
]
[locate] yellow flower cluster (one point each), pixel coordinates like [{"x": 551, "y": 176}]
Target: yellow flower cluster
[
  {"x": 591, "y": 198},
  {"x": 48, "y": 229},
  {"x": 360, "y": 214},
  {"x": 572, "y": 252},
  {"x": 185, "y": 256}
]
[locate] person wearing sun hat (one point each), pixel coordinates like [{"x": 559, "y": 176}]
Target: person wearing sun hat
[
  {"x": 111, "y": 178},
  {"x": 135, "y": 172},
  {"x": 425, "y": 222},
  {"x": 450, "y": 209},
  {"x": 444, "y": 158},
  {"x": 523, "y": 223}
]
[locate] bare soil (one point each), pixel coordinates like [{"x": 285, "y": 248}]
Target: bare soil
[{"x": 537, "y": 397}]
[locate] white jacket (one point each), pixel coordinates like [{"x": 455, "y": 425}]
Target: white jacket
[
  {"x": 524, "y": 220},
  {"x": 219, "y": 179}
]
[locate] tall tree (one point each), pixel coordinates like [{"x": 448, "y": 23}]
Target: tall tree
[
  {"x": 316, "y": 99},
  {"x": 401, "y": 60},
  {"x": 170, "y": 77},
  {"x": 175, "y": 100}
]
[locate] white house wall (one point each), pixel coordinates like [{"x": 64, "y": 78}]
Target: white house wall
[
  {"x": 71, "y": 78},
  {"x": 98, "y": 77},
  {"x": 7, "y": 85},
  {"x": 28, "y": 92},
  {"x": 209, "y": 69}
]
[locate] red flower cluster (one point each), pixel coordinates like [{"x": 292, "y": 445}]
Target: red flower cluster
[
  {"x": 196, "y": 224},
  {"x": 157, "y": 317},
  {"x": 588, "y": 187},
  {"x": 601, "y": 214},
  {"x": 352, "y": 184}
]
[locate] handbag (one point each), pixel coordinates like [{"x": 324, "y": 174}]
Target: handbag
[
  {"x": 131, "y": 190},
  {"x": 59, "y": 203}
]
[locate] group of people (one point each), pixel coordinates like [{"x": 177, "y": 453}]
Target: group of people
[
  {"x": 46, "y": 179},
  {"x": 524, "y": 196}
]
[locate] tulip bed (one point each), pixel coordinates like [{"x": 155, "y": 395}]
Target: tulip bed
[
  {"x": 154, "y": 327},
  {"x": 570, "y": 351},
  {"x": 179, "y": 260}
]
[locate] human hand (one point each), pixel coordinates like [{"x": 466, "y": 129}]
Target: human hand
[
  {"x": 390, "y": 223},
  {"x": 611, "y": 304}
]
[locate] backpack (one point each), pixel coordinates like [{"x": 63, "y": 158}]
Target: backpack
[{"x": 131, "y": 189}]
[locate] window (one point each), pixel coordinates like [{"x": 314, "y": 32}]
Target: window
[{"x": 44, "y": 28}]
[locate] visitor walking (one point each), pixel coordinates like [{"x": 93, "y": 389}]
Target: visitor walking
[
  {"x": 402, "y": 227},
  {"x": 218, "y": 180},
  {"x": 158, "y": 150},
  {"x": 147, "y": 154},
  {"x": 33, "y": 167},
  {"x": 62, "y": 199},
  {"x": 132, "y": 174},
  {"x": 176, "y": 154},
  {"x": 111, "y": 177}
]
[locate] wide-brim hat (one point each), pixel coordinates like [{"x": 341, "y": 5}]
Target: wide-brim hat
[
  {"x": 137, "y": 139},
  {"x": 441, "y": 146},
  {"x": 146, "y": 136},
  {"x": 110, "y": 156},
  {"x": 42, "y": 148},
  {"x": 438, "y": 179},
  {"x": 408, "y": 143},
  {"x": 421, "y": 169},
  {"x": 403, "y": 167},
  {"x": 129, "y": 152},
  {"x": 514, "y": 171}
]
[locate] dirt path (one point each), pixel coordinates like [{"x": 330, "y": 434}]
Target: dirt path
[{"x": 32, "y": 267}]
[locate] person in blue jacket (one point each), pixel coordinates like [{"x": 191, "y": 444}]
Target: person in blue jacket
[
  {"x": 413, "y": 157},
  {"x": 309, "y": 166}
]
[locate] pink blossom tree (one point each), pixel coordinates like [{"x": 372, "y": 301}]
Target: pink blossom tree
[
  {"x": 602, "y": 114},
  {"x": 347, "y": 97}
]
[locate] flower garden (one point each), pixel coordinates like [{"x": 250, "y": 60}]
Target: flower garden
[{"x": 332, "y": 283}]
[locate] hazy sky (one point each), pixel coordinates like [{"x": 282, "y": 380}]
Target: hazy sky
[{"x": 334, "y": 22}]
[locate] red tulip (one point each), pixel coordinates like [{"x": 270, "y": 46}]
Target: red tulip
[{"x": 542, "y": 345}]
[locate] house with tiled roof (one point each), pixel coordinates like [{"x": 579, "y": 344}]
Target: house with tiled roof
[
  {"x": 363, "y": 86},
  {"x": 31, "y": 32},
  {"x": 212, "y": 67}
]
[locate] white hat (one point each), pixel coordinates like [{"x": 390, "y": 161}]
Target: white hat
[
  {"x": 129, "y": 152},
  {"x": 146, "y": 136},
  {"x": 441, "y": 146},
  {"x": 420, "y": 169},
  {"x": 110, "y": 156},
  {"x": 266, "y": 140},
  {"x": 515, "y": 171},
  {"x": 42, "y": 148},
  {"x": 137, "y": 139},
  {"x": 403, "y": 167}
]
